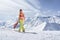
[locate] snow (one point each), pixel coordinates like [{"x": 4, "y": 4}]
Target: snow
[
  {"x": 51, "y": 23},
  {"x": 52, "y": 27},
  {"x": 8, "y": 34},
  {"x": 42, "y": 26},
  {"x": 38, "y": 28},
  {"x": 37, "y": 22}
]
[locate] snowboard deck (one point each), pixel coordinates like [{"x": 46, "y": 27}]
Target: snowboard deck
[{"x": 25, "y": 32}]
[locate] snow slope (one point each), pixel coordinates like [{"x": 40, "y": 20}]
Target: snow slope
[
  {"x": 7, "y": 34},
  {"x": 52, "y": 27},
  {"x": 38, "y": 28}
]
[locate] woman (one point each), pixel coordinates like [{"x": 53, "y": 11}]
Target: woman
[{"x": 21, "y": 19}]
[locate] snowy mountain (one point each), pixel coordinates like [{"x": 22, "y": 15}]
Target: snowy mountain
[
  {"x": 50, "y": 22},
  {"x": 52, "y": 27}
]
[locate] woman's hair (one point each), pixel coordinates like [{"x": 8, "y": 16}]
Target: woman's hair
[{"x": 20, "y": 9}]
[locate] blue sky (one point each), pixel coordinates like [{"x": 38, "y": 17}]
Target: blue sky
[
  {"x": 51, "y": 7},
  {"x": 51, "y": 4},
  {"x": 30, "y": 7}
]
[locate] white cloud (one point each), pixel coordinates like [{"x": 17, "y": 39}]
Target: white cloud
[
  {"x": 11, "y": 7},
  {"x": 50, "y": 12},
  {"x": 35, "y": 3}
]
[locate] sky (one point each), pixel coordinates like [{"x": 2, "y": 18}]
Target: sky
[
  {"x": 10, "y": 8},
  {"x": 52, "y": 6}
]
